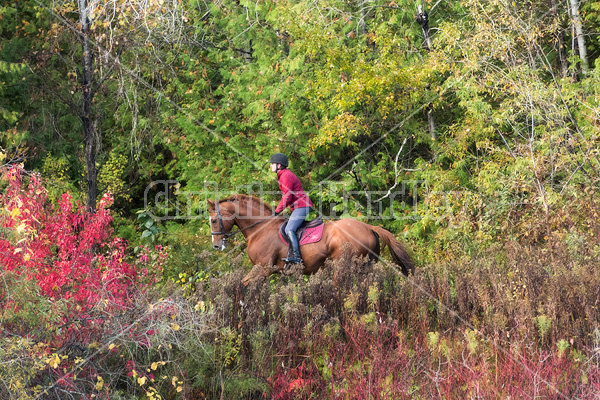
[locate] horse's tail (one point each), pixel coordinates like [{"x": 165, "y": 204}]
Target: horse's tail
[{"x": 399, "y": 254}]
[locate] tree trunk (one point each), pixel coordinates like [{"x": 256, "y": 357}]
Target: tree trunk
[
  {"x": 430, "y": 122},
  {"x": 248, "y": 54},
  {"x": 423, "y": 20},
  {"x": 561, "y": 50},
  {"x": 576, "y": 18},
  {"x": 86, "y": 111},
  {"x": 562, "y": 54},
  {"x": 362, "y": 23}
]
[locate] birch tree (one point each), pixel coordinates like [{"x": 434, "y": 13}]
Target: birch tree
[{"x": 579, "y": 34}]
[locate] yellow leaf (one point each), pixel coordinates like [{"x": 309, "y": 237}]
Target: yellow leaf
[
  {"x": 154, "y": 366},
  {"x": 175, "y": 326},
  {"x": 100, "y": 383},
  {"x": 141, "y": 381},
  {"x": 54, "y": 362},
  {"x": 179, "y": 389},
  {"x": 17, "y": 250},
  {"x": 111, "y": 346},
  {"x": 15, "y": 212},
  {"x": 26, "y": 257}
]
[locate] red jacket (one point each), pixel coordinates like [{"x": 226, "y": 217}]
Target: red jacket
[{"x": 292, "y": 194}]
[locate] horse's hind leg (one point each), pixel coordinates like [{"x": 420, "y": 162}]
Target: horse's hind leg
[{"x": 376, "y": 251}]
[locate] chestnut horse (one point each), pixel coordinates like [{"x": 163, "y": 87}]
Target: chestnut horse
[{"x": 255, "y": 220}]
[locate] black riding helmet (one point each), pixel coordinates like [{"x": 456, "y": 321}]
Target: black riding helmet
[{"x": 279, "y": 158}]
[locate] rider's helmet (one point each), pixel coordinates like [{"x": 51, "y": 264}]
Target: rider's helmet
[{"x": 279, "y": 158}]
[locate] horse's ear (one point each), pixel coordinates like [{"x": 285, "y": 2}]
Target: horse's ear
[{"x": 211, "y": 204}]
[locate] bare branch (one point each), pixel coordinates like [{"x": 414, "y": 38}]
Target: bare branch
[{"x": 389, "y": 192}]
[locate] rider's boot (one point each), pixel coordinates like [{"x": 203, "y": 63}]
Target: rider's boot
[{"x": 295, "y": 258}]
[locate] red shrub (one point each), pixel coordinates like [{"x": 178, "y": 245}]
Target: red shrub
[
  {"x": 68, "y": 282},
  {"x": 67, "y": 251}
]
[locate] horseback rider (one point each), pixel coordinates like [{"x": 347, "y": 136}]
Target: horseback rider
[{"x": 293, "y": 197}]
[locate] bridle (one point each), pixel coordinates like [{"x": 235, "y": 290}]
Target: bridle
[
  {"x": 227, "y": 235},
  {"x": 222, "y": 232}
]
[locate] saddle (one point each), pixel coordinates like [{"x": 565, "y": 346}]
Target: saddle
[{"x": 308, "y": 232}]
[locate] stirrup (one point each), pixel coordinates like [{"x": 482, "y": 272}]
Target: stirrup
[{"x": 292, "y": 260}]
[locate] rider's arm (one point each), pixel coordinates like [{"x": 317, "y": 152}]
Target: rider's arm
[
  {"x": 285, "y": 201},
  {"x": 287, "y": 184}
]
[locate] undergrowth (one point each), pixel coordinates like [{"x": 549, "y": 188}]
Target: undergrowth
[
  {"x": 514, "y": 319},
  {"x": 520, "y": 320}
]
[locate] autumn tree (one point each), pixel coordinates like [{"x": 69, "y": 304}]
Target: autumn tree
[
  {"x": 86, "y": 63},
  {"x": 519, "y": 133}
]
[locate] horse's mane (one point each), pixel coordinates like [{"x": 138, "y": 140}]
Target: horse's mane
[{"x": 244, "y": 198}]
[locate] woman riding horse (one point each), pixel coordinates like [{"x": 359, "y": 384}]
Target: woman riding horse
[
  {"x": 344, "y": 237},
  {"x": 267, "y": 251},
  {"x": 293, "y": 197}
]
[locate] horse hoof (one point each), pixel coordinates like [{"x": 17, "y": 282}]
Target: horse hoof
[{"x": 289, "y": 268}]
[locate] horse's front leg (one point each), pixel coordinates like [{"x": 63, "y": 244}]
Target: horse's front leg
[
  {"x": 259, "y": 272},
  {"x": 265, "y": 253}
]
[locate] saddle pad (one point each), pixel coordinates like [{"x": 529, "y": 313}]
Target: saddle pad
[{"x": 308, "y": 232}]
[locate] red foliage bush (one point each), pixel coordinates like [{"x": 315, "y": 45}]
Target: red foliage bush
[
  {"x": 294, "y": 383},
  {"x": 60, "y": 249},
  {"x": 68, "y": 285}
]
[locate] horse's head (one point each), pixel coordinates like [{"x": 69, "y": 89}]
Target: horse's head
[{"x": 222, "y": 219}]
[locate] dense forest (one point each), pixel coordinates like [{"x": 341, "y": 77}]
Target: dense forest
[{"x": 469, "y": 129}]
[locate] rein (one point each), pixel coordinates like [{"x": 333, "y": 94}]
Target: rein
[{"x": 227, "y": 235}]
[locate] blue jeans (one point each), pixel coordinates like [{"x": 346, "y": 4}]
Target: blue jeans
[{"x": 298, "y": 216}]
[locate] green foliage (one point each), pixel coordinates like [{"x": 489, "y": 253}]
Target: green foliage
[
  {"x": 16, "y": 372},
  {"x": 562, "y": 345},
  {"x": 33, "y": 314},
  {"x": 58, "y": 176},
  {"x": 148, "y": 226},
  {"x": 111, "y": 177},
  {"x": 543, "y": 324}
]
